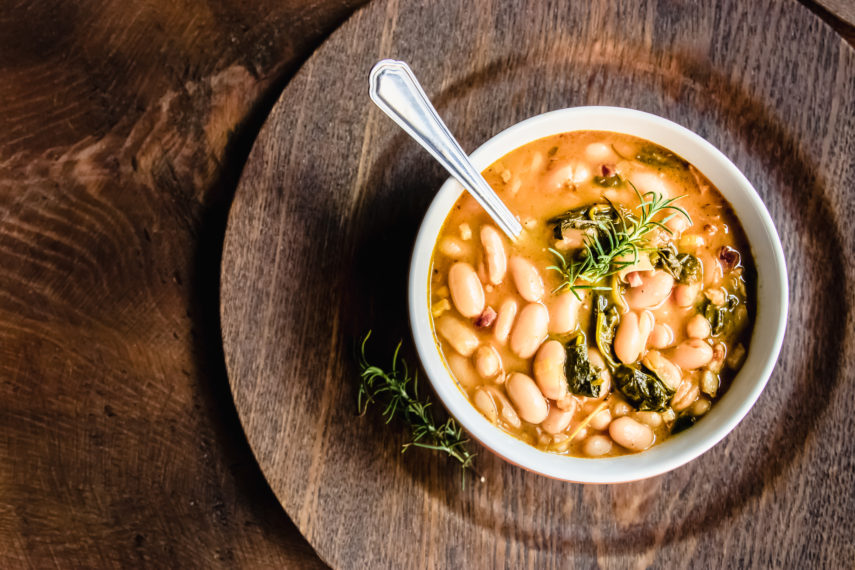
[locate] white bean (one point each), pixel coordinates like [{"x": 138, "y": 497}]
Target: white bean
[
  {"x": 620, "y": 408},
  {"x": 709, "y": 383},
  {"x": 652, "y": 419},
  {"x": 527, "y": 399},
  {"x": 530, "y": 330},
  {"x": 631, "y": 336},
  {"x": 526, "y": 278},
  {"x": 564, "y": 313},
  {"x": 667, "y": 370},
  {"x": 488, "y": 363},
  {"x": 700, "y": 407},
  {"x": 557, "y": 420},
  {"x": 692, "y": 354},
  {"x": 661, "y": 336},
  {"x": 651, "y": 182},
  {"x": 631, "y": 434},
  {"x": 654, "y": 289},
  {"x": 686, "y": 395},
  {"x": 549, "y": 370},
  {"x": 459, "y": 335},
  {"x": 639, "y": 266},
  {"x": 494, "y": 254},
  {"x": 505, "y": 320},
  {"x": 601, "y": 421},
  {"x": 698, "y": 327},
  {"x": 597, "y": 445},
  {"x": 599, "y": 152},
  {"x": 463, "y": 370},
  {"x": 466, "y": 290},
  {"x": 485, "y": 404},
  {"x": 581, "y": 173},
  {"x": 559, "y": 177},
  {"x": 685, "y": 295},
  {"x": 506, "y": 410}
]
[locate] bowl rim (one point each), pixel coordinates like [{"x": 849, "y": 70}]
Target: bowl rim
[{"x": 770, "y": 317}]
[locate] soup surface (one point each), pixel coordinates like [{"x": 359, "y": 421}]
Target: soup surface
[{"x": 620, "y": 315}]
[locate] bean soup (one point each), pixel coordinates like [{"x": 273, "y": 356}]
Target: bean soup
[{"x": 621, "y": 314}]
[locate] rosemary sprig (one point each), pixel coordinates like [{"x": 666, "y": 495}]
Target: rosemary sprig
[
  {"x": 615, "y": 245},
  {"x": 572, "y": 271},
  {"x": 399, "y": 389}
]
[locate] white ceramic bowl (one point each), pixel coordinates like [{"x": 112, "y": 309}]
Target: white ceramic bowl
[{"x": 771, "y": 314}]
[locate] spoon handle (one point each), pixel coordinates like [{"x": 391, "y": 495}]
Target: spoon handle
[{"x": 395, "y": 89}]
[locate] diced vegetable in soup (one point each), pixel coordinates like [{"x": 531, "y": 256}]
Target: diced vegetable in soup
[{"x": 618, "y": 318}]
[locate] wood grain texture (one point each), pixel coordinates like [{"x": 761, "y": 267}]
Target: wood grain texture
[
  {"x": 842, "y": 9},
  {"x": 839, "y": 14},
  {"x": 122, "y": 132},
  {"x": 318, "y": 246}
]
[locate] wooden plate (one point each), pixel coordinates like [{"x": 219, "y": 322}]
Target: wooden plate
[{"x": 318, "y": 246}]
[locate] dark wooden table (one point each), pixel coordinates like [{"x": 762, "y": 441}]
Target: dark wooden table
[{"x": 122, "y": 134}]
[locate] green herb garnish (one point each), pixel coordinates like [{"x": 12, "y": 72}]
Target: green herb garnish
[
  {"x": 399, "y": 390},
  {"x": 615, "y": 240},
  {"x": 572, "y": 272}
]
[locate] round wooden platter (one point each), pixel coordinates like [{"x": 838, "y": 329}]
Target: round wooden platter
[{"x": 318, "y": 246}]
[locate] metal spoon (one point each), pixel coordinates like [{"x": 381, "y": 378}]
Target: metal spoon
[{"x": 395, "y": 89}]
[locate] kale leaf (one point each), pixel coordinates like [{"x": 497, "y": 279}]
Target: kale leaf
[
  {"x": 657, "y": 156},
  {"x": 682, "y": 423},
  {"x": 720, "y": 316},
  {"x": 643, "y": 388},
  {"x": 582, "y": 377},
  {"x": 607, "y": 318},
  {"x": 683, "y": 267},
  {"x": 591, "y": 217}
]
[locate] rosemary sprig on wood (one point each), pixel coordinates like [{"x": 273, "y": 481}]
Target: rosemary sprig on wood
[
  {"x": 399, "y": 390},
  {"x": 615, "y": 245}
]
